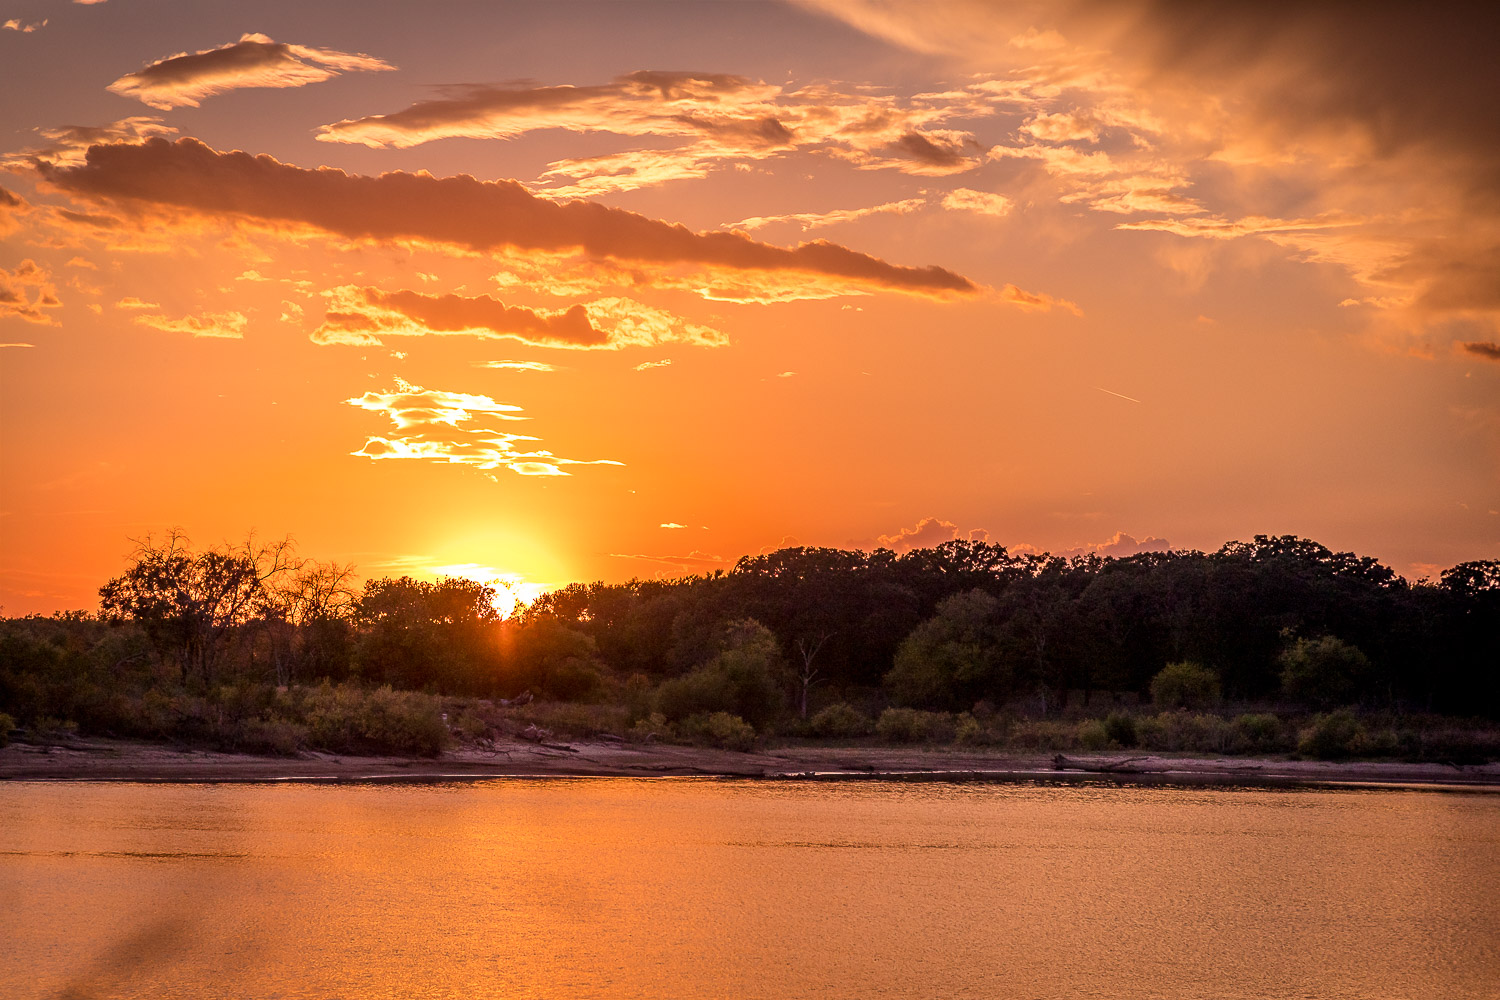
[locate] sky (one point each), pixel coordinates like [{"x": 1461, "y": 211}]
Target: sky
[{"x": 539, "y": 292}]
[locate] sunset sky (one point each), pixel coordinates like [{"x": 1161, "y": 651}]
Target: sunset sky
[{"x": 549, "y": 291}]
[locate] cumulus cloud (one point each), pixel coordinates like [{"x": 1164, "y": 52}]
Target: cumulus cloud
[
  {"x": 66, "y": 146},
  {"x": 253, "y": 61},
  {"x": 27, "y": 292},
  {"x": 214, "y": 326},
  {"x": 455, "y": 428},
  {"x": 926, "y": 533},
  {"x": 1280, "y": 123},
  {"x": 481, "y": 216}
]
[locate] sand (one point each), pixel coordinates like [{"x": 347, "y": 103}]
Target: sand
[{"x": 97, "y": 759}]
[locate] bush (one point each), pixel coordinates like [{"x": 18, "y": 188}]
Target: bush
[
  {"x": 345, "y": 719},
  {"x": 1120, "y": 727},
  {"x": 1046, "y": 734},
  {"x": 738, "y": 682},
  {"x": 1092, "y": 735},
  {"x": 6, "y": 725},
  {"x": 839, "y": 720},
  {"x": 970, "y": 732},
  {"x": 908, "y": 725},
  {"x": 1185, "y": 685},
  {"x": 721, "y": 729},
  {"x": 1323, "y": 672},
  {"x": 1333, "y": 736},
  {"x": 1257, "y": 732},
  {"x": 1185, "y": 731}
]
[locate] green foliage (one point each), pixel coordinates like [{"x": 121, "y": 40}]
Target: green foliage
[
  {"x": 1043, "y": 734},
  {"x": 721, "y": 729},
  {"x": 1323, "y": 672},
  {"x": 741, "y": 680},
  {"x": 346, "y": 719},
  {"x": 1333, "y": 736},
  {"x": 1092, "y": 735},
  {"x": 1259, "y": 733},
  {"x": 909, "y": 725},
  {"x": 415, "y": 634},
  {"x": 839, "y": 720},
  {"x": 6, "y": 725},
  {"x": 1185, "y": 685},
  {"x": 952, "y": 658},
  {"x": 968, "y": 731},
  {"x": 1120, "y": 728}
]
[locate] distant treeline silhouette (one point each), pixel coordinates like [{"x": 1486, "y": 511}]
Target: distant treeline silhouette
[{"x": 251, "y": 646}]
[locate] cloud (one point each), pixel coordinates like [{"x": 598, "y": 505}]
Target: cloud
[
  {"x": 719, "y": 117},
  {"x": 361, "y": 316},
  {"x": 253, "y": 61},
  {"x": 460, "y": 211},
  {"x": 815, "y": 220},
  {"x": 520, "y": 366},
  {"x": 720, "y": 106},
  {"x": 24, "y": 27},
  {"x": 978, "y": 202},
  {"x": 215, "y": 326},
  {"x": 1482, "y": 349},
  {"x": 17, "y": 345},
  {"x": 1036, "y": 301},
  {"x": 693, "y": 562},
  {"x": 645, "y": 365},
  {"x": 11, "y": 205},
  {"x": 68, "y": 144},
  {"x": 926, "y": 533},
  {"x": 131, "y": 302},
  {"x": 27, "y": 292},
  {"x": 671, "y": 524},
  {"x": 455, "y": 428}
]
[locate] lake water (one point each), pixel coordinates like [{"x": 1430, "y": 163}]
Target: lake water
[{"x": 667, "y": 888}]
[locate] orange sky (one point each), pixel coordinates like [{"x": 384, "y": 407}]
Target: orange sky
[{"x": 542, "y": 292}]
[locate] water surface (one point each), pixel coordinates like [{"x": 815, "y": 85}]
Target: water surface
[{"x": 671, "y": 888}]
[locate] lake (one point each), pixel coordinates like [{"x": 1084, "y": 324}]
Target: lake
[{"x": 666, "y": 888}]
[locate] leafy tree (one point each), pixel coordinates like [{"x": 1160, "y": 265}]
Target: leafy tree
[
  {"x": 1185, "y": 685},
  {"x": 951, "y": 660},
  {"x": 1323, "y": 672}
]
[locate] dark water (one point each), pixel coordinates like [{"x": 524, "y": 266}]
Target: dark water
[{"x": 700, "y": 888}]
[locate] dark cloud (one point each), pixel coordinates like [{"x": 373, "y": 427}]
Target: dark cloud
[
  {"x": 459, "y": 211},
  {"x": 367, "y": 313},
  {"x": 1482, "y": 349},
  {"x": 253, "y": 61}
]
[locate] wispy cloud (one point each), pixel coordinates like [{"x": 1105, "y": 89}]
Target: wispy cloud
[
  {"x": 253, "y": 61},
  {"x": 214, "y": 326},
  {"x": 455, "y": 428}
]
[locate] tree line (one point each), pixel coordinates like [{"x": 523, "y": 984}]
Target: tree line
[{"x": 1282, "y": 622}]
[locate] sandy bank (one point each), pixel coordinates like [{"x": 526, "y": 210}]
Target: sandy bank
[{"x": 92, "y": 759}]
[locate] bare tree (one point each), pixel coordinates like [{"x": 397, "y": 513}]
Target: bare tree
[{"x": 807, "y": 674}]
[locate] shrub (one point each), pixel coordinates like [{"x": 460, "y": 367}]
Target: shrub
[
  {"x": 272, "y": 737},
  {"x": 1043, "y": 734},
  {"x": 1185, "y": 685},
  {"x": 1120, "y": 727},
  {"x": 1257, "y": 732},
  {"x": 654, "y": 726},
  {"x": 908, "y": 725},
  {"x": 6, "y": 725},
  {"x": 839, "y": 720},
  {"x": 345, "y": 719},
  {"x": 1092, "y": 735},
  {"x": 1323, "y": 672},
  {"x": 1333, "y": 736},
  {"x": 721, "y": 729},
  {"x": 969, "y": 731},
  {"x": 1185, "y": 731},
  {"x": 736, "y": 681}
]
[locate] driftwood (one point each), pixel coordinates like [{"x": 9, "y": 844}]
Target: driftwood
[
  {"x": 1062, "y": 763},
  {"x": 524, "y": 698}
]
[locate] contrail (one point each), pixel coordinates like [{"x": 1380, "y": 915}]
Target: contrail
[{"x": 1120, "y": 394}]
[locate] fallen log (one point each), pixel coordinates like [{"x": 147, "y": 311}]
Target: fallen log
[{"x": 1061, "y": 763}]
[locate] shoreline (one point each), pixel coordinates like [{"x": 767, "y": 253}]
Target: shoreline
[{"x": 100, "y": 759}]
